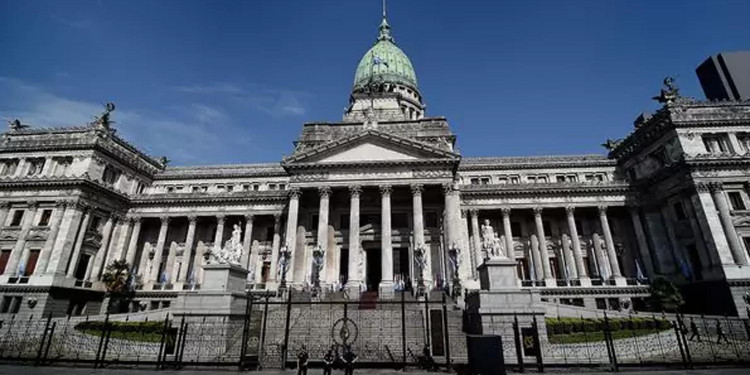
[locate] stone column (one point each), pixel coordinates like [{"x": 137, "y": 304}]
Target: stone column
[
  {"x": 275, "y": 246},
  {"x": 65, "y": 242},
  {"x": 567, "y": 254},
  {"x": 247, "y": 241},
  {"x": 79, "y": 243},
  {"x": 219, "y": 235},
  {"x": 133, "y": 242},
  {"x": 101, "y": 254},
  {"x": 536, "y": 259},
  {"x": 476, "y": 236},
  {"x": 508, "y": 232},
  {"x": 291, "y": 233},
  {"x": 418, "y": 220},
  {"x": 386, "y": 246},
  {"x": 640, "y": 237},
  {"x": 20, "y": 248},
  {"x": 575, "y": 242},
  {"x": 730, "y": 232},
  {"x": 159, "y": 249},
  {"x": 4, "y": 209},
  {"x": 322, "y": 239},
  {"x": 120, "y": 247},
  {"x": 54, "y": 228},
  {"x": 601, "y": 261},
  {"x": 614, "y": 263},
  {"x": 354, "y": 278},
  {"x": 187, "y": 254},
  {"x": 543, "y": 252}
]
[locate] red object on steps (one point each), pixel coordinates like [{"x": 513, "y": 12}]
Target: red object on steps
[{"x": 368, "y": 300}]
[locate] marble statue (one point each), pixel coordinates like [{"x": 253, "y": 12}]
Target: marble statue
[
  {"x": 232, "y": 250},
  {"x": 491, "y": 244}
]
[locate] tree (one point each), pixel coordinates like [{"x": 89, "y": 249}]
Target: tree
[
  {"x": 118, "y": 281},
  {"x": 664, "y": 295}
]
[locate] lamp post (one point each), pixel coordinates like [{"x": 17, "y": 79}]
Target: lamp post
[
  {"x": 284, "y": 256},
  {"x": 420, "y": 261},
  {"x": 454, "y": 255},
  {"x": 318, "y": 255}
]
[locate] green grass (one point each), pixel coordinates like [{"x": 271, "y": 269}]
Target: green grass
[{"x": 584, "y": 337}]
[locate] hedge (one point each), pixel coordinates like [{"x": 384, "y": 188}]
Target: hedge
[
  {"x": 125, "y": 327},
  {"x": 562, "y": 326}
]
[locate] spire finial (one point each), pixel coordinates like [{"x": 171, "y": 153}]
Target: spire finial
[{"x": 385, "y": 28}]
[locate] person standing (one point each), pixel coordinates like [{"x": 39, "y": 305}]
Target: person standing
[
  {"x": 694, "y": 334},
  {"x": 328, "y": 362},
  {"x": 349, "y": 358},
  {"x": 302, "y": 358}
]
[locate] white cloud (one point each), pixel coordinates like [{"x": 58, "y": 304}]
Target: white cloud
[
  {"x": 271, "y": 101},
  {"x": 189, "y": 134}
]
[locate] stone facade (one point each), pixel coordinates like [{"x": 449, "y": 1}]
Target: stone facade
[{"x": 670, "y": 199}]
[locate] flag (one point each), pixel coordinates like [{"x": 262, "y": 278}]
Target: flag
[
  {"x": 21, "y": 269},
  {"x": 377, "y": 60},
  {"x": 163, "y": 277},
  {"x": 639, "y": 271}
]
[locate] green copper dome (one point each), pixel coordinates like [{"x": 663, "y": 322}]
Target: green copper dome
[{"x": 385, "y": 63}]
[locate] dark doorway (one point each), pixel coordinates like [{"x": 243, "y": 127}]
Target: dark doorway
[
  {"x": 83, "y": 263},
  {"x": 401, "y": 263},
  {"x": 344, "y": 266},
  {"x": 373, "y": 269}
]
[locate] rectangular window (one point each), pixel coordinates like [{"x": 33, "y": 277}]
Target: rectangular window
[
  {"x": 62, "y": 166},
  {"x": 560, "y": 178},
  {"x": 735, "y": 199},
  {"x": 589, "y": 177},
  {"x": 485, "y": 181},
  {"x": 170, "y": 189},
  {"x": 31, "y": 262},
  {"x": 196, "y": 189},
  {"x": 515, "y": 228},
  {"x": 230, "y": 188},
  {"x": 94, "y": 223},
  {"x": 531, "y": 179},
  {"x": 256, "y": 187},
  {"x": 44, "y": 220},
  {"x": 271, "y": 186},
  {"x": 4, "y": 256},
  {"x": 245, "y": 187},
  {"x": 220, "y": 188},
  {"x": 17, "y": 218},
  {"x": 8, "y": 167},
  {"x": 15, "y": 305},
  {"x": 475, "y": 181},
  {"x": 430, "y": 219},
  {"x": 572, "y": 178},
  {"x": 111, "y": 175},
  {"x": 502, "y": 180},
  {"x": 7, "y": 301},
  {"x": 35, "y": 166},
  {"x": 282, "y": 187}
]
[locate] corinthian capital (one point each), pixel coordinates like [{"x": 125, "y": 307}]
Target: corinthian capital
[
  {"x": 192, "y": 219},
  {"x": 570, "y": 210},
  {"x": 164, "y": 220},
  {"x": 450, "y": 189},
  {"x": 295, "y": 193},
  {"x": 416, "y": 189},
  {"x": 385, "y": 190},
  {"x": 537, "y": 210},
  {"x": 602, "y": 209},
  {"x": 324, "y": 191},
  {"x": 505, "y": 211},
  {"x": 715, "y": 186},
  {"x": 355, "y": 191}
]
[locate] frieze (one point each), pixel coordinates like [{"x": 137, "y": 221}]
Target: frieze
[
  {"x": 309, "y": 177},
  {"x": 432, "y": 173}
]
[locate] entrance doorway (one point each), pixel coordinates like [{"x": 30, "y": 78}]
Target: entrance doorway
[
  {"x": 400, "y": 263},
  {"x": 374, "y": 272}
]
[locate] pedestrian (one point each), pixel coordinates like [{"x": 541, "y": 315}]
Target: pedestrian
[
  {"x": 720, "y": 333},
  {"x": 302, "y": 358},
  {"x": 349, "y": 358},
  {"x": 694, "y": 334},
  {"x": 328, "y": 362}
]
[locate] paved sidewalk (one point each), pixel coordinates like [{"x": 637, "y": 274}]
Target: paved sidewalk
[{"x": 31, "y": 370}]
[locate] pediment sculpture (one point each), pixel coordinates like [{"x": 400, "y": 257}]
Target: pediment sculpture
[
  {"x": 231, "y": 252},
  {"x": 491, "y": 244}
]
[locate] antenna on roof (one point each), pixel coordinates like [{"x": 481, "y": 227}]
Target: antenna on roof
[{"x": 384, "y": 9}]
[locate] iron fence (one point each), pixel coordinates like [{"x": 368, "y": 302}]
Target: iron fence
[{"x": 399, "y": 333}]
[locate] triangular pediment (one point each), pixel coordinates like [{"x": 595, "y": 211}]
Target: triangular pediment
[{"x": 370, "y": 146}]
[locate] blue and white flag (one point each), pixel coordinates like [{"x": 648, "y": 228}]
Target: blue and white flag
[
  {"x": 163, "y": 277},
  {"x": 639, "y": 271},
  {"x": 377, "y": 60},
  {"x": 21, "y": 269}
]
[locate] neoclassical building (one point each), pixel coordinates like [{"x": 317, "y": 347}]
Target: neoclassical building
[{"x": 670, "y": 199}]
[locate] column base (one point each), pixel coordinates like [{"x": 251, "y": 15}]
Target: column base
[
  {"x": 353, "y": 289},
  {"x": 550, "y": 282},
  {"x": 385, "y": 290},
  {"x": 620, "y": 281}
]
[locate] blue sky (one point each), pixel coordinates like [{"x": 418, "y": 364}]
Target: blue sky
[{"x": 208, "y": 82}]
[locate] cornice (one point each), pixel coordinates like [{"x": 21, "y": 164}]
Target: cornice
[
  {"x": 222, "y": 171},
  {"x": 537, "y": 162},
  {"x": 597, "y": 290},
  {"x": 60, "y": 182},
  {"x": 372, "y": 164},
  {"x": 545, "y": 189},
  {"x": 275, "y": 196}
]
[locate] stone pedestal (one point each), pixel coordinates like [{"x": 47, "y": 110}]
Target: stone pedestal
[
  {"x": 221, "y": 293},
  {"x": 385, "y": 290},
  {"x": 497, "y": 274}
]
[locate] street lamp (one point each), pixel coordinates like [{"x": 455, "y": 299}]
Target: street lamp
[
  {"x": 421, "y": 262},
  {"x": 284, "y": 256},
  {"x": 318, "y": 255},
  {"x": 454, "y": 255}
]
